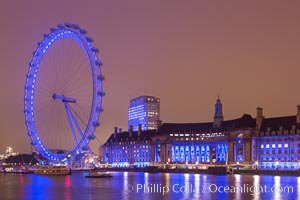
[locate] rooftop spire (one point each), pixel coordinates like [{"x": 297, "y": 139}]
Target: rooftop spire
[{"x": 218, "y": 118}]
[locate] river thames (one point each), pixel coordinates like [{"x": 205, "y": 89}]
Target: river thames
[{"x": 138, "y": 185}]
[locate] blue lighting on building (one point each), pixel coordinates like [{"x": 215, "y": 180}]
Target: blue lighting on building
[
  {"x": 144, "y": 110},
  {"x": 254, "y": 143}
]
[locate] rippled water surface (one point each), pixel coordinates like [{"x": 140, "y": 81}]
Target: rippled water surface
[{"x": 137, "y": 185}]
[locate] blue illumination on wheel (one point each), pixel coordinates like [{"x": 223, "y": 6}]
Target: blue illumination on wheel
[{"x": 89, "y": 119}]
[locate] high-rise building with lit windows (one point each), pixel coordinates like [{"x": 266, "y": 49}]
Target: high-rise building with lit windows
[{"x": 144, "y": 110}]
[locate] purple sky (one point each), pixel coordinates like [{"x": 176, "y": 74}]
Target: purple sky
[{"x": 186, "y": 53}]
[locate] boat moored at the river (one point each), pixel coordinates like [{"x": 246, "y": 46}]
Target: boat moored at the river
[
  {"x": 99, "y": 175},
  {"x": 53, "y": 170}
]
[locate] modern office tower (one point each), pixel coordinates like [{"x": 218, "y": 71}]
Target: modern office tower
[{"x": 144, "y": 110}]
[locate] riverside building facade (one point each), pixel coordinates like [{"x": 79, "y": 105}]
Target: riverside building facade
[{"x": 260, "y": 143}]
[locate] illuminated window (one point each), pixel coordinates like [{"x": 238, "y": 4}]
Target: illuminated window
[
  {"x": 267, "y": 146},
  {"x": 279, "y": 145},
  {"x": 273, "y": 145},
  {"x": 286, "y": 145},
  {"x": 261, "y": 146}
]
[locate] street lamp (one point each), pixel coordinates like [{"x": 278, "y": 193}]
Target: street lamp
[{"x": 214, "y": 161}]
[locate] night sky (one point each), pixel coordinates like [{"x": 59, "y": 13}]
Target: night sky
[{"x": 185, "y": 52}]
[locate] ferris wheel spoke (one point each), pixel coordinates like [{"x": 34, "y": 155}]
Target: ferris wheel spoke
[
  {"x": 78, "y": 115},
  {"x": 74, "y": 120},
  {"x": 71, "y": 123}
]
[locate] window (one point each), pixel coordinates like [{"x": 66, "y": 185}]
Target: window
[
  {"x": 273, "y": 145},
  {"x": 279, "y": 145},
  {"x": 261, "y": 146},
  {"x": 286, "y": 145},
  {"x": 267, "y": 146}
]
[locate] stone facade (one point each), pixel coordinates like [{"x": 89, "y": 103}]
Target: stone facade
[{"x": 265, "y": 143}]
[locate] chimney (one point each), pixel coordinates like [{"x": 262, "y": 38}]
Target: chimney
[
  {"x": 140, "y": 130},
  {"x": 298, "y": 114},
  {"x": 120, "y": 130},
  {"x": 130, "y": 130},
  {"x": 115, "y": 132},
  {"x": 158, "y": 125},
  {"x": 259, "y": 117}
]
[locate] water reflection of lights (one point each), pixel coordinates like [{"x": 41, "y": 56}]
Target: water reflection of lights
[
  {"x": 204, "y": 181},
  {"x": 237, "y": 178},
  {"x": 67, "y": 186},
  {"x": 146, "y": 177},
  {"x": 186, "y": 178},
  {"x": 167, "y": 175},
  {"x": 256, "y": 194},
  {"x": 197, "y": 185},
  {"x": 126, "y": 186},
  {"x": 67, "y": 181},
  {"x": 197, "y": 180},
  {"x": 21, "y": 180},
  {"x": 298, "y": 187},
  {"x": 186, "y": 185},
  {"x": 277, "y": 193}
]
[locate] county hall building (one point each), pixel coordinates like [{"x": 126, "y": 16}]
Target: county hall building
[{"x": 263, "y": 143}]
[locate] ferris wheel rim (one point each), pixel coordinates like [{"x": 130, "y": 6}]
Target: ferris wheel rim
[{"x": 79, "y": 35}]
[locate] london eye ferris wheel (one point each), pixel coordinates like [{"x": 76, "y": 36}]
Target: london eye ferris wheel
[{"x": 63, "y": 93}]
